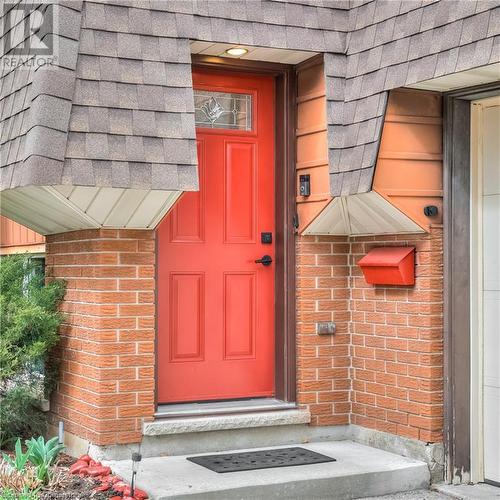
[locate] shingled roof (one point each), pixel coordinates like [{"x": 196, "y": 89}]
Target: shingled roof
[
  {"x": 391, "y": 44},
  {"x": 117, "y": 109}
]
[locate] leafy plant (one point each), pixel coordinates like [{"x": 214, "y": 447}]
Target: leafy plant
[
  {"x": 20, "y": 458},
  {"x": 25, "y": 494},
  {"x": 30, "y": 320},
  {"x": 43, "y": 454}
]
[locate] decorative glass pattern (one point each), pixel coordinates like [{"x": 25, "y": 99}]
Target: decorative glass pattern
[{"x": 222, "y": 110}]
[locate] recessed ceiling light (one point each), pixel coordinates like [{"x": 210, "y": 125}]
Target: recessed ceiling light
[{"x": 236, "y": 51}]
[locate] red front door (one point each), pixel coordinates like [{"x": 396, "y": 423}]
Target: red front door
[{"x": 215, "y": 303}]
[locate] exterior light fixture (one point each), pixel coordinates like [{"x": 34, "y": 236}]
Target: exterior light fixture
[{"x": 236, "y": 51}]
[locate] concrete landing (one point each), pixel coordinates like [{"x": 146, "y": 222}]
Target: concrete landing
[
  {"x": 469, "y": 491},
  {"x": 360, "y": 471}
]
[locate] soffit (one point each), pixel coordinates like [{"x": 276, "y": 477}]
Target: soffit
[
  {"x": 283, "y": 56},
  {"x": 58, "y": 209},
  {"x": 469, "y": 78}
]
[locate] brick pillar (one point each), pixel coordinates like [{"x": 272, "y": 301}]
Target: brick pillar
[
  {"x": 397, "y": 343},
  {"x": 323, "y": 360},
  {"x": 106, "y": 386}
]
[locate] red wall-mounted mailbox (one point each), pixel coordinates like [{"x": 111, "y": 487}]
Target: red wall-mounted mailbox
[{"x": 389, "y": 266}]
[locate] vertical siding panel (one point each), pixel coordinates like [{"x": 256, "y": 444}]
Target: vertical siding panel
[{"x": 15, "y": 238}]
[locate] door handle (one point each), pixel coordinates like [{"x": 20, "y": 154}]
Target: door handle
[{"x": 265, "y": 260}]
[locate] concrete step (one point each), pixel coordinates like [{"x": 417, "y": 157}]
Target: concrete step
[
  {"x": 360, "y": 471},
  {"x": 217, "y": 433}
]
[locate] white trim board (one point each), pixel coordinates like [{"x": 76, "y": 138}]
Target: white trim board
[{"x": 481, "y": 191}]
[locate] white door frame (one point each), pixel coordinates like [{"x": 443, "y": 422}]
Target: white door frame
[{"x": 476, "y": 287}]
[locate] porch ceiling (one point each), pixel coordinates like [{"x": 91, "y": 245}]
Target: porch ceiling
[
  {"x": 469, "y": 78},
  {"x": 283, "y": 56}
]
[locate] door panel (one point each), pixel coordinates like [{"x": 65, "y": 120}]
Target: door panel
[
  {"x": 239, "y": 315},
  {"x": 188, "y": 217},
  {"x": 239, "y": 193},
  {"x": 186, "y": 314},
  {"x": 491, "y": 290},
  {"x": 215, "y": 304}
]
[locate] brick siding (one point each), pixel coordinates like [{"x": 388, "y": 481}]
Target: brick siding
[
  {"x": 106, "y": 385},
  {"x": 397, "y": 343},
  {"x": 383, "y": 369},
  {"x": 323, "y": 361}
]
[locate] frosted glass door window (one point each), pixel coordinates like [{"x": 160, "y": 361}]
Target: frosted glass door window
[{"x": 223, "y": 110}]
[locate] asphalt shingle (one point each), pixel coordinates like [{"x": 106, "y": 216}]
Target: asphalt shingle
[
  {"x": 153, "y": 149},
  {"x": 120, "y": 121},
  {"x": 131, "y": 71},
  {"x": 384, "y": 31},
  {"x": 140, "y": 175},
  {"x": 132, "y": 88},
  {"x": 129, "y": 46},
  {"x": 475, "y": 28},
  {"x": 447, "y": 36},
  {"x": 44, "y": 141},
  {"x": 119, "y": 95},
  {"x": 116, "y": 18},
  {"x": 494, "y": 23},
  {"x": 88, "y": 68},
  {"x": 113, "y": 94},
  {"x": 144, "y": 122},
  {"x": 50, "y": 112},
  {"x": 98, "y": 119},
  {"x": 109, "y": 68},
  {"x": 106, "y": 43},
  {"x": 140, "y": 20},
  {"x": 76, "y": 145}
]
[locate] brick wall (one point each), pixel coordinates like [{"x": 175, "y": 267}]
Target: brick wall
[
  {"x": 106, "y": 385},
  {"x": 383, "y": 369},
  {"x": 323, "y": 361},
  {"x": 397, "y": 343}
]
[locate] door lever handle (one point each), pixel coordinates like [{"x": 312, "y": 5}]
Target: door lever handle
[{"x": 265, "y": 260}]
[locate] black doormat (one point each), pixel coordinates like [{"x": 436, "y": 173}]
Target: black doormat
[{"x": 264, "y": 459}]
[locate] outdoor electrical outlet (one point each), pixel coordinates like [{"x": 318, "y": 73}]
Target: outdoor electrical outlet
[{"x": 326, "y": 328}]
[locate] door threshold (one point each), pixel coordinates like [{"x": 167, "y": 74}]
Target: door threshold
[{"x": 178, "y": 410}]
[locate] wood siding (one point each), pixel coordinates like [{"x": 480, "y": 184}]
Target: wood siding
[
  {"x": 312, "y": 142},
  {"x": 15, "y": 238},
  {"x": 409, "y": 171}
]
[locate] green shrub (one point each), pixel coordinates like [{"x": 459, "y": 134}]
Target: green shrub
[
  {"x": 29, "y": 323},
  {"x": 20, "y": 415}
]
